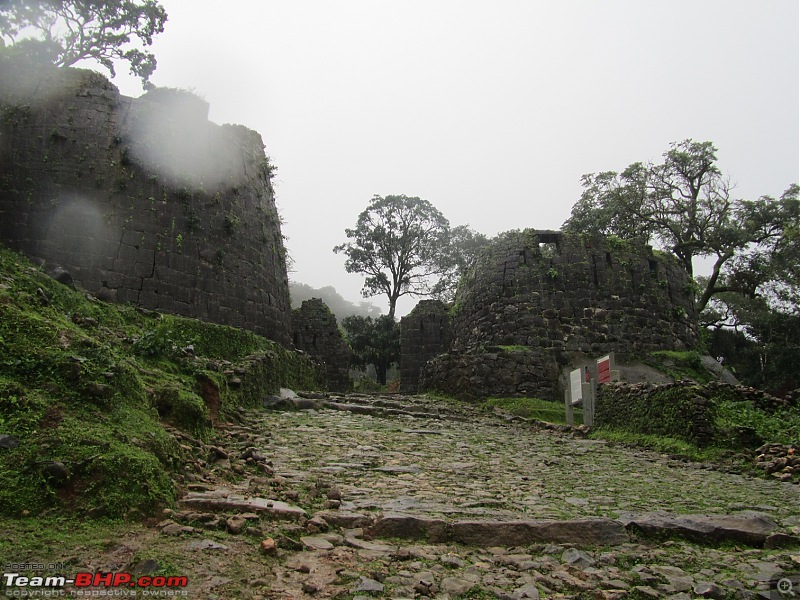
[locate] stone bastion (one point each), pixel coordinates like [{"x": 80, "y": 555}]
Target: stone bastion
[
  {"x": 142, "y": 200},
  {"x": 536, "y": 302}
]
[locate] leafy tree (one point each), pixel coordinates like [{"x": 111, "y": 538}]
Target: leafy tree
[
  {"x": 398, "y": 244},
  {"x": 457, "y": 255},
  {"x": 771, "y": 267},
  {"x": 759, "y": 342},
  {"x": 374, "y": 342},
  {"x": 685, "y": 205},
  {"x": 67, "y": 31}
]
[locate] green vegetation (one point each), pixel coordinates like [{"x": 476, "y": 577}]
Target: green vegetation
[
  {"x": 659, "y": 443},
  {"x": 65, "y": 33},
  {"x": 685, "y": 204},
  {"x": 741, "y": 421},
  {"x": 534, "y": 408},
  {"x": 44, "y": 539},
  {"x": 85, "y": 388},
  {"x": 679, "y": 365},
  {"x": 515, "y": 348},
  {"x": 374, "y": 342},
  {"x": 724, "y": 418},
  {"x": 404, "y": 246}
]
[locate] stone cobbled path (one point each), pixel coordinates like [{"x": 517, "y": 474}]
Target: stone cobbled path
[{"x": 385, "y": 481}]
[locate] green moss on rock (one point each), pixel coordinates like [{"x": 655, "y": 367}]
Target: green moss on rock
[{"x": 86, "y": 389}]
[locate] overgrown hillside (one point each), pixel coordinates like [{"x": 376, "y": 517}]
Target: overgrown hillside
[{"x": 91, "y": 395}]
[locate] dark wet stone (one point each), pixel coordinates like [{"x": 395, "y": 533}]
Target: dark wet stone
[
  {"x": 706, "y": 589},
  {"x": 751, "y": 529},
  {"x": 584, "y": 532},
  {"x": 581, "y": 532},
  {"x": 62, "y": 276},
  {"x": 8, "y": 442},
  {"x": 146, "y": 567},
  {"x": 56, "y": 472},
  {"x": 781, "y": 540},
  {"x": 235, "y": 524},
  {"x": 578, "y": 558},
  {"x": 409, "y": 528}
]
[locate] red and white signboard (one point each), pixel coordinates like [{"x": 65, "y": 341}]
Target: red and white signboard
[{"x": 604, "y": 369}]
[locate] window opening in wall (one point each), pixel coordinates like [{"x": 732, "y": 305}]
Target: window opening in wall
[
  {"x": 608, "y": 258},
  {"x": 653, "y": 268},
  {"x": 595, "y": 277},
  {"x": 548, "y": 249},
  {"x": 314, "y": 341}
]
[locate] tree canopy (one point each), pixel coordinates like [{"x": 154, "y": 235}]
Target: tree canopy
[
  {"x": 685, "y": 205},
  {"x": 397, "y": 243},
  {"x": 404, "y": 245},
  {"x": 458, "y": 254},
  {"x": 374, "y": 342},
  {"x": 66, "y": 31}
]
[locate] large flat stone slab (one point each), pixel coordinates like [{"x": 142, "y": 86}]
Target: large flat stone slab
[
  {"x": 223, "y": 500},
  {"x": 409, "y": 527},
  {"x": 748, "y": 528},
  {"x": 581, "y": 532},
  {"x": 345, "y": 518}
]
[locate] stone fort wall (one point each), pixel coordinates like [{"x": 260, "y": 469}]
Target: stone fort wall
[
  {"x": 142, "y": 200},
  {"x": 536, "y": 299},
  {"x": 424, "y": 333},
  {"x": 315, "y": 332}
]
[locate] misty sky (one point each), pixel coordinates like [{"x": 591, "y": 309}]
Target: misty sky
[{"x": 490, "y": 110}]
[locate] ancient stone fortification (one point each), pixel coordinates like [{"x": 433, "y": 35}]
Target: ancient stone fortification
[
  {"x": 424, "y": 333},
  {"x": 142, "y": 200},
  {"x": 535, "y": 299},
  {"x": 315, "y": 331}
]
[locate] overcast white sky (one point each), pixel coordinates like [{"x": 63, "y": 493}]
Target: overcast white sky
[{"x": 490, "y": 110}]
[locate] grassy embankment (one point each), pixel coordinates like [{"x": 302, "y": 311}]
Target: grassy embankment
[
  {"x": 90, "y": 392},
  {"x": 732, "y": 415}
]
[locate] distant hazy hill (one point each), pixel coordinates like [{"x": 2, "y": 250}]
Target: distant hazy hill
[{"x": 339, "y": 306}]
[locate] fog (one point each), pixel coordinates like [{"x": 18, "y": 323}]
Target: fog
[{"x": 491, "y": 111}]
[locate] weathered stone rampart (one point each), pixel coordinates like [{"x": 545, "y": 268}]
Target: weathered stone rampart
[
  {"x": 142, "y": 200},
  {"x": 424, "y": 333},
  {"x": 315, "y": 331},
  {"x": 534, "y": 299}
]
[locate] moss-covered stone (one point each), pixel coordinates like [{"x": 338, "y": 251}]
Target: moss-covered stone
[{"x": 86, "y": 388}]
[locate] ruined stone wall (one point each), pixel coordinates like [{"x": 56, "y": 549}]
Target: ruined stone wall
[
  {"x": 315, "y": 331},
  {"x": 424, "y": 333},
  {"x": 142, "y": 200},
  {"x": 535, "y": 298}
]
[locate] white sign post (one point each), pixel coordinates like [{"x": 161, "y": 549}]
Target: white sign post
[
  {"x": 589, "y": 389},
  {"x": 576, "y": 386},
  {"x": 580, "y": 392},
  {"x": 573, "y": 395}
]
